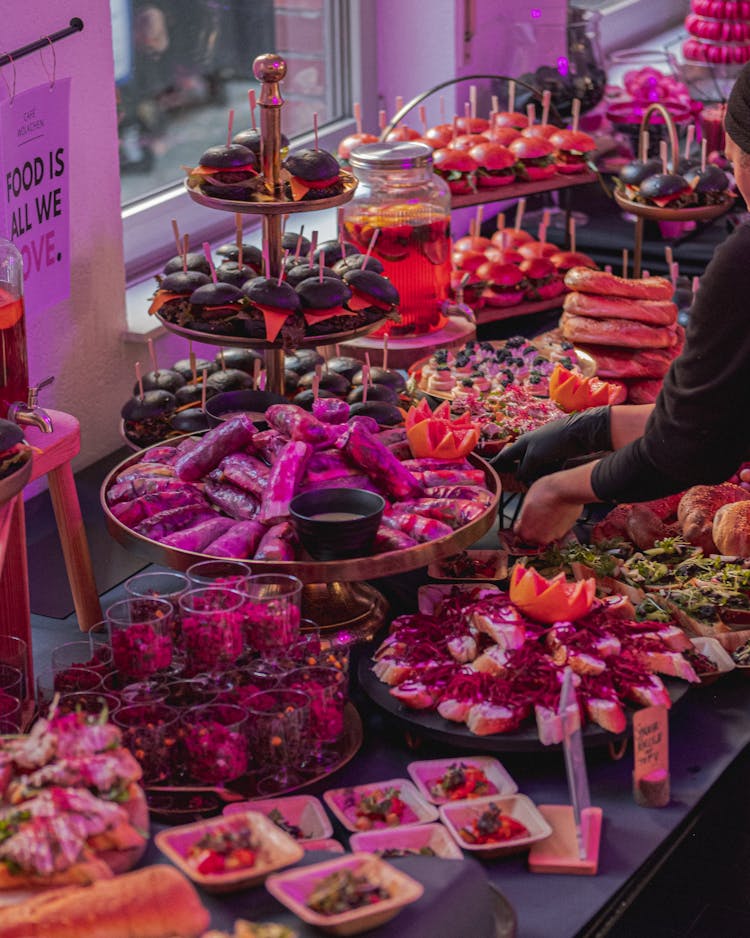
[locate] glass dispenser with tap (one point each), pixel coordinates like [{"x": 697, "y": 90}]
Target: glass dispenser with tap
[{"x": 14, "y": 368}]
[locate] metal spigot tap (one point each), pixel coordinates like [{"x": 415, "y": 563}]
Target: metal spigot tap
[{"x": 30, "y": 414}]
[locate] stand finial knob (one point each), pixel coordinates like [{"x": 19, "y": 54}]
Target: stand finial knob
[{"x": 269, "y": 67}]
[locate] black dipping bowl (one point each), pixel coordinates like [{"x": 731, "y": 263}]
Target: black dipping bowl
[
  {"x": 337, "y": 539},
  {"x": 223, "y": 406}
]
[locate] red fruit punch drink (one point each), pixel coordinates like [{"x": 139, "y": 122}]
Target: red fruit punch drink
[
  {"x": 14, "y": 367},
  {"x": 413, "y": 246}
]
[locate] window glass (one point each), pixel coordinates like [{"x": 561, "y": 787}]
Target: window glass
[{"x": 180, "y": 65}]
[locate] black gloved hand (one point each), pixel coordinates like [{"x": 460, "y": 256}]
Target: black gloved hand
[{"x": 547, "y": 449}]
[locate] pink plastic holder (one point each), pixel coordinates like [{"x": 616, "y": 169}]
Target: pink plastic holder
[{"x": 411, "y": 838}]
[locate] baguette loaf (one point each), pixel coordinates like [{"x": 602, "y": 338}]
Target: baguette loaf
[{"x": 156, "y": 902}]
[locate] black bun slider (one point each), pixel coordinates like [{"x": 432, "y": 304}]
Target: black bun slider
[
  {"x": 195, "y": 261},
  {"x": 318, "y": 169},
  {"x": 306, "y": 398},
  {"x": 289, "y": 243},
  {"x": 242, "y": 358},
  {"x": 634, "y": 173},
  {"x": 385, "y": 414},
  {"x": 152, "y": 404},
  {"x": 366, "y": 283},
  {"x": 251, "y": 139},
  {"x": 192, "y": 394},
  {"x": 355, "y": 262},
  {"x": 217, "y": 327},
  {"x": 267, "y": 291},
  {"x": 165, "y": 379},
  {"x": 336, "y": 384},
  {"x": 192, "y": 420},
  {"x": 333, "y": 251},
  {"x": 375, "y": 392},
  {"x": 300, "y": 272},
  {"x": 711, "y": 180},
  {"x": 344, "y": 365},
  {"x": 231, "y": 273},
  {"x": 303, "y": 360},
  {"x": 215, "y": 301},
  {"x": 231, "y": 379},
  {"x": 686, "y": 164},
  {"x": 201, "y": 364},
  {"x": 184, "y": 282},
  {"x": 10, "y": 435},
  {"x": 291, "y": 381},
  {"x": 667, "y": 186},
  {"x": 323, "y": 294},
  {"x": 392, "y": 379},
  {"x": 239, "y": 172},
  {"x": 251, "y": 255}
]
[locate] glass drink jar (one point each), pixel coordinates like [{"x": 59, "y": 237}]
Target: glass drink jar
[
  {"x": 14, "y": 369},
  {"x": 399, "y": 194}
]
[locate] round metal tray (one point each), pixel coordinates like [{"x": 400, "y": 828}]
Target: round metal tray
[
  {"x": 525, "y": 739},
  {"x": 11, "y": 485},
  {"x": 232, "y": 341},
  {"x": 312, "y": 571},
  {"x": 184, "y": 802},
  {"x": 276, "y": 208},
  {"x": 654, "y": 213}
]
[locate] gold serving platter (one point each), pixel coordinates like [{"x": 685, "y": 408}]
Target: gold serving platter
[
  {"x": 283, "y": 207},
  {"x": 309, "y": 571},
  {"x": 654, "y": 213},
  {"x": 11, "y": 485}
]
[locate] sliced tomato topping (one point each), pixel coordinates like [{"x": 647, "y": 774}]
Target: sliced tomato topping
[
  {"x": 161, "y": 298},
  {"x": 313, "y": 316}
]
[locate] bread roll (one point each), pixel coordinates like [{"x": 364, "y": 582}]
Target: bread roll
[
  {"x": 599, "y": 281},
  {"x": 731, "y": 529},
  {"x": 655, "y": 312},
  {"x": 698, "y": 507},
  {"x": 620, "y": 332},
  {"x": 156, "y": 902}
]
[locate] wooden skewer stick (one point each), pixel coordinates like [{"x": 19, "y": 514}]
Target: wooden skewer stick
[
  {"x": 473, "y": 100},
  {"x": 704, "y": 145},
  {"x": 203, "y": 389},
  {"x": 511, "y": 95},
  {"x": 193, "y": 364},
  {"x": 282, "y": 268},
  {"x": 337, "y": 348},
  {"x": 500, "y": 221},
  {"x": 422, "y": 111},
  {"x": 139, "y": 379},
  {"x": 152, "y": 355},
  {"x": 546, "y": 102},
  {"x": 467, "y": 111},
  {"x": 644, "y": 141},
  {"x": 689, "y": 135},
  {"x": 478, "y": 220},
  {"x": 321, "y": 266},
  {"x": 256, "y": 373},
  {"x": 185, "y": 246},
  {"x": 663, "y": 156},
  {"x": 531, "y": 113},
  {"x": 262, "y": 380},
  {"x": 495, "y": 104},
  {"x": 251, "y": 99},
  {"x": 572, "y": 233},
  {"x": 357, "y": 109},
  {"x": 674, "y": 270},
  {"x": 230, "y": 126},
  {"x": 222, "y": 362},
  {"x": 695, "y": 284},
  {"x": 177, "y": 239},
  {"x": 365, "y": 381},
  {"x": 669, "y": 256},
  {"x": 607, "y": 268},
  {"x": 382, "y": 119},
  {"x": 442, "y": 108},
  {"x": 207, "y": 252},
  {"x": 313, "y": 248},
  {"x": 576, "y": 110},
  {"x": 625, "y": 263},
  {"x": 385, "y": 352},
  {"x": 316, "y": 382},
  {"x": 315, "y": 128},
  {"x": 645, "y": 274},
  {"x": 238, "y": 236},
  {"x": 520, "y": 209},
  {"x": 370, "y": 246}
]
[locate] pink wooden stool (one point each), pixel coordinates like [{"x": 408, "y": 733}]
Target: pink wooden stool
[{"x": 57, "y": 449}]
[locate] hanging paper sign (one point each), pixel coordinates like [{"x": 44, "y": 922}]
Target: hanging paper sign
[{"x": 35, "y": 202}]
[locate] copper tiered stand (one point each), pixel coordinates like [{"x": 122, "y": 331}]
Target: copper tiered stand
[
  {"x": 336, "y": 594},
  {"x": 653, "y": 212}
]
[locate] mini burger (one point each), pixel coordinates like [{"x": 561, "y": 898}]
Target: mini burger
[
  {"x": 165, "y": 379},
  {"x": 251, "y": 255},
  {"x": 439, "y": 136},
  {"x": 506, "y": 284},
  {"x": 540, "y": 130},
  {"x": 289, "y": 243},
  {"x": 471, "y": 243},
  {"x": 372, "y": 295},
  {"x": 375, "y": 392},
  {"x": 457, "y": 168},
  {"x": 503, "y": 255},
  {"x": 632, "y": 175},
  {"x": 228, "y": 379},
  {"x": 14, "y": 450},
  {"x": 567, "y": 260},
  {"x": 496, "y": 165},
  {"x": 543, "y": 281},
  {"x": 214, "y": 307},
  {"x": 666, "y": 189},
  {"x": 192, "y": 261},
  {"x": 333, "y": 251},
  {"x": 534, "y": 249},
  {"x": 242, "y": 358},
  {"x": 314, "y": 174},
  {"x": 472, "y": 125},
  {"x": 503, "y": 135},
  {"x": 226, "y": 172},
  {"x": 535, "y": 158},
  {"x": 511, "y": 238},
  {"x": 513, "y": 119},
  {"x": 709, "y": 186},
  {"x": 573, "y": 149},
  {"x": 274, "y": 306},
  {"x": 185, "y": 367},
  {"x": 146, "y": 420},
  {"x": 172, "y": 299},
  {"x": 190, "y": 420},
  {"x": 468, "y": 260},
  {"x": 402, "y": 134},
  {"x": 252, "y": 139},
  {"x": 232, "y": 273},
  {"x": 355, "y": 262},
  {"x": 323, "y": 303},
  {"x": 350, "y": 143},
  {"x": 467, "y": 141},
  {"x": 301, "y": 272},
  {"x": 192, "y": 394}
]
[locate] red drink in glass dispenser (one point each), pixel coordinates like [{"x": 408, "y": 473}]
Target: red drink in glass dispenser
[{"x": 14, "y": 367}]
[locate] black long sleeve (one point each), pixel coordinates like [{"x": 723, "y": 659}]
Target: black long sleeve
[{"x": 699, "y": 430}]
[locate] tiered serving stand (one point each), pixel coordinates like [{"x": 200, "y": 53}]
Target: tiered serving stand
[{"x": 336, "y": 595}]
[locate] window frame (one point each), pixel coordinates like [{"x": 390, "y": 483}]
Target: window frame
[{"x": 147, "y": 239}]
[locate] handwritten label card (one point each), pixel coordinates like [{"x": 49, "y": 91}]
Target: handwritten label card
[{"x": 651, "y": 741}]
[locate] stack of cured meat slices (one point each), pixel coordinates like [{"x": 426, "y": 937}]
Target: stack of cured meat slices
[{"x": 629, "y": 326}]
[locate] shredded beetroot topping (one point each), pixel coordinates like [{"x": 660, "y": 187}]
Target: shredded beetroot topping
[{"x": 613, "y": 659}]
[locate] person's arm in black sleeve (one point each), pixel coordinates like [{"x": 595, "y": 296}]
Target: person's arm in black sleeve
[{"x": 699, "y": 429}]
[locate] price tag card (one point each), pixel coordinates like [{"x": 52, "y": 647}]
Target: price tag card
[{"x": 650, "y": 742}]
